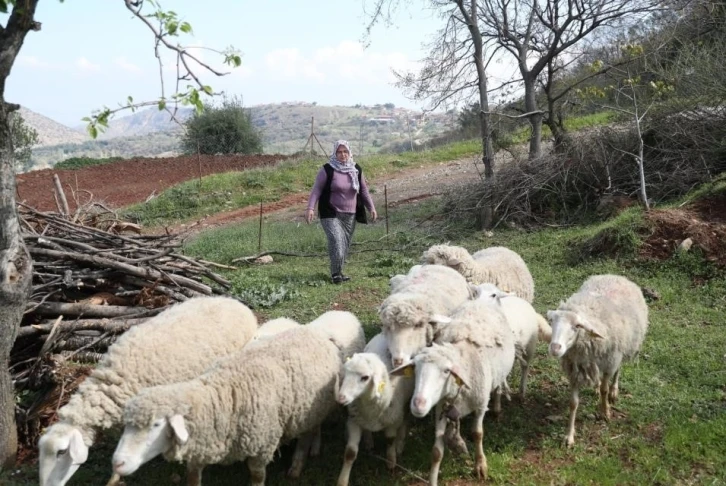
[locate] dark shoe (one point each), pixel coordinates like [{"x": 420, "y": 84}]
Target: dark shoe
[
  {"x": 337, "y": 279},
  {"x": 344, "y": 277}
]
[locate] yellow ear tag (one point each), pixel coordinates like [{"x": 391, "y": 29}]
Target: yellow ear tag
[
  {"x": 458, "y": 381},
  {"x": 381, "y": 387},
  {"x": 408, "y": 372}
]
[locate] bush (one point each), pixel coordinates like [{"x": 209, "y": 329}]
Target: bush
[
  {"x": 80, "y": 162},
  {"x": 224, "y": 129},
  {"x": 24, "y": 137}
]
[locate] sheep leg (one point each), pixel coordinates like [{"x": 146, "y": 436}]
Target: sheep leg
[
  {"x": 351, "y": 452},
  {"x": 114, "y": 481},
  {"x": 497, "y": 408},
  {"x": 257, "y": 466},
  {"x": 481, "y": 469},
  {"x": 615, "y": 387},
  {"x": 194, "y": 474},
  {"x": 315, "y": 446},
  {"x": 368, "y": 440},
  {"x": 574, "y": 402},
  {"x": 604, "y": 396},
  {"x": 437, "y": 453},
  {"x": 390, "y": 434},
  {"x": 298, "y": 457},
  {"x": 401, "y": 435},
  {"x": 523, "y": 383}
]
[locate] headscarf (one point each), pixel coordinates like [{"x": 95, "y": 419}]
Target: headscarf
[{"x": 346, "y": 168}]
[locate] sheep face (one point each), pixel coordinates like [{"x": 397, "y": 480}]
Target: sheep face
[
  {"x": 364, "y": 374},
  {"x": 488, "y": 292},
  {"x": 408, "y": 326},
  {"x": 437, "y": 376},
  {"x": 62, "y": 451},
  {"x": 138, "y": 445},
  {"x": 567, "y": 327}
]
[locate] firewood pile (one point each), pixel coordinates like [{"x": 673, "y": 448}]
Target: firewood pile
[{"x": 94, "y": 276}]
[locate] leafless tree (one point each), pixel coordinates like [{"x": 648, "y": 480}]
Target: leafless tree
[
  {"x": 15, "y": 263},
  {"x": 538, "y": 33},
  {"x": 455, "y": 68}
]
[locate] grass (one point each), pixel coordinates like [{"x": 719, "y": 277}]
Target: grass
[
  {"x": 672, "y": 429},
  {"x": 220, "y": 192},
  {"x": 80, "y": 162}
]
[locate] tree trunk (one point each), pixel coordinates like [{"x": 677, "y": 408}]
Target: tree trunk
[
  {"x": 15, "y": 282},
  {"x": 16, "y": 268},
  {"x": 535, "y": 117},
  {"x": 486, "y": 216}
]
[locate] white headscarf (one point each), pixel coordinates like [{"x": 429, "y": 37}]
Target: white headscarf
[{"x": 347, "y": 167}]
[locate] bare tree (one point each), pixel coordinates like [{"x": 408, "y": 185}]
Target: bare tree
[
  {"x": 454, "y": 69},
  {"x": 537, "y": 32},
  {"x": 15, "y": 264}
]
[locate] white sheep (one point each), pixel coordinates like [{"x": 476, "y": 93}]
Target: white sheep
[
  {"x": 409, "y": 316},
  {"x": 469, "y": 361},
  {"x": 526, "y": 324},
  {"x": 375, "y": 401},
  {"x": 245, "y": 405},
  {"x": 498, "y": 265},
  {"x": 593, "y": 332},
  {"x": 178, "y": 344},
  {"x": 272, "y": 328}
]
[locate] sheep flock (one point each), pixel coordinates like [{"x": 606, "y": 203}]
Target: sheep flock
[{"x": 204, "y": 383}]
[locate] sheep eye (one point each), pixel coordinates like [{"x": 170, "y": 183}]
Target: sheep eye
[
  {"x": 62, "y": 452},
  {"x": 494, "y": 296},
  {"x": 156, "y": 424},
  {"x": 418, "y": 325},
  {"x": 364, "y": 378},
  {"x": 447, "y": 372}
]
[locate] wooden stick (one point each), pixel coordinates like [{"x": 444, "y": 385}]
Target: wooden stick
[
  {"x": 61, "y": 195},
  {"x": 106, "y": 325},
  {"x": 87, "y": 310}
]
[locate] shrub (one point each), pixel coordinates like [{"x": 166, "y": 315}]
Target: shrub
[{"x": 224, "y": 129}]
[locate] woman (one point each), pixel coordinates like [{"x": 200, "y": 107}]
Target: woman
[{"x": 341, "y": 193}]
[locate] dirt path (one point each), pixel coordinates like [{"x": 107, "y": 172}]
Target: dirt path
[{"x": 410, "y": 185}]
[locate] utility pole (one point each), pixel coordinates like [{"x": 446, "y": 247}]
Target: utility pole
[{"x": 311, "y": 138}]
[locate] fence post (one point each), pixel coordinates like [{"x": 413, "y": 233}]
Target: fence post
[
  {"x": 199, "y": 161},
  {"x": 259, "y": 234},
  {"x": 385, "y": 208}
]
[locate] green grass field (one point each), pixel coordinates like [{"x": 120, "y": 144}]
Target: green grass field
[{"x": 670, "y": 424}]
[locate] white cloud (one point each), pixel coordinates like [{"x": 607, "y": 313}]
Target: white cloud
[
  {"x": 34, "y": 62},
  {"x": 85, "y": 65},
  {"x": 126, "y": 65},
  {"x": 348, "y": 61}
]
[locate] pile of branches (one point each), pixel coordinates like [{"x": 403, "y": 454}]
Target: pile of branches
[
  {"x": 94, "y": 276},
  {"x": 576, "y": 182}
]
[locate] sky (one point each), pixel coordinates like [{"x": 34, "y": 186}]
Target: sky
[{"x": 93, "y": 53}]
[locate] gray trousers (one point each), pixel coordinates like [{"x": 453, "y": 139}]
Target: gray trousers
[{"x": 339, "y": 231}]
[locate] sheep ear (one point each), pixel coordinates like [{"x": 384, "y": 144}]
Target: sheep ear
[
  {"x": 551, "y": 314},
  {"x": 77, "y": 448},
  {"x": 458, "y": 376},
  {"x": 587, "y": 326},
  {"x": 453, "y": 262},
  {"x": 474, "y": 292},
  {"x": 438, "y": 319},
  {"x": 403, "y": 370},
  {"x": 179, "y": 427}
]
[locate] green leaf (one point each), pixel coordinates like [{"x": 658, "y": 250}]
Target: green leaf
[
  {"x": 208, "y": 90},
  {"x": 162, "y": 104},
  {"x": 171, "y": 27},
  {"x": 130, "y": 100},
  {"x": 86, "y": 119},
  {"x": 185, "y": 27},
  {"x": 92, "y": 130}
]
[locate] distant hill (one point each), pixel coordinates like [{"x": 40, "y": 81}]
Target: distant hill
[
  {"x": 51, "y": 132},
  {"x": 285, "y": 128}
]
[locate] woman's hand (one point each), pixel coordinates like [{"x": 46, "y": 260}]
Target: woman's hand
[
  {"x": 374, "y": 215},
  {"x": 309, "y": 216}
]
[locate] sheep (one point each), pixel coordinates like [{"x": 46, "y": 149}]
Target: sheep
[
  {"x": 469, "y": 360},
  {"x": 271, "y": 329},
  {"x": 175, "y": 345},
  {"x": 245, "y": 405},
  {"x": 409, "y": 316},
  {"x": 498, "y": 265},
  {"x": 526, "y": 324},
  {"x": 375, "y": 401},
  {"x": 593, "y": 332}
]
